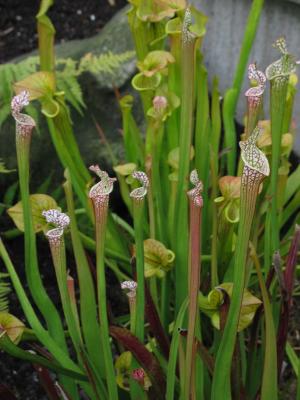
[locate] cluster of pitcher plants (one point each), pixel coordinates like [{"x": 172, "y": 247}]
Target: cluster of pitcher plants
[{"x": 206, "y": 253}]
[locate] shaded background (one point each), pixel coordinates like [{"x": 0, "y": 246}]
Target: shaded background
[{"x": 73, "y": 19}]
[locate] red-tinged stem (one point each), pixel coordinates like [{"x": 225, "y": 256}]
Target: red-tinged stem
[
  {"x": 254, "y": 109},
  {"x": 185, "y": 138},
  {"x": 194, "y": 284},
  {"x": 291, "y": 262},
  {"x": 289, "y": 276},
  {"x": 46, "y": 381}
]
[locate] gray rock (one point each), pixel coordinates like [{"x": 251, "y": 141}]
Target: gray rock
[
  {"x": 225, "y": 30},
  {"x": 114, "y": 37}
]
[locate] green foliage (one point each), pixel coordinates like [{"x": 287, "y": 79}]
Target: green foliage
[
  {"x": 3, "y": 169},
  {"x": 4, "y": 291},
  {"x": 38, "y": 203},
  {"x": 206, "y": 320},
  {"x": 67, "y": 74}
]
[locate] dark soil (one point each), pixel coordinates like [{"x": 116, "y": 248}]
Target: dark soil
[{"x": 73, "y": 19}]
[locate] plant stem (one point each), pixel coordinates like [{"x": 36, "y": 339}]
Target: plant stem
[
  {"x": 57, "y": 247},
  {"x": 214, "y": 167},
  {"x": 194, "y": 285},
  {"x": 279, "y": 87},
  {"x": 249, "y": 190},
  {"x": 88, "y": 307},
  {"x": 269, "y": 379},
  {"x": 186, "y": 129},
  {"x": 34, "y": 280},
  {"x": 172, "y": 125},
  {"x": 138, "y": 207},
  {"x": 171, "y": 371},
  {"x": 156, "y": 150},
  {"x": 33, "y": 276},
  {"x": 150, "y": 198},
  {"x": 214, "y": 239},
  {"x": 101, "y": 209},
  {"x": 203, "y": 136}
]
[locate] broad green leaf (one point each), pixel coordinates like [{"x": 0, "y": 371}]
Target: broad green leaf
[
  {"x": 12, "y": 326},
  {"x": 39, "y": 203},
  {"x": 39, "y": 85}
]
